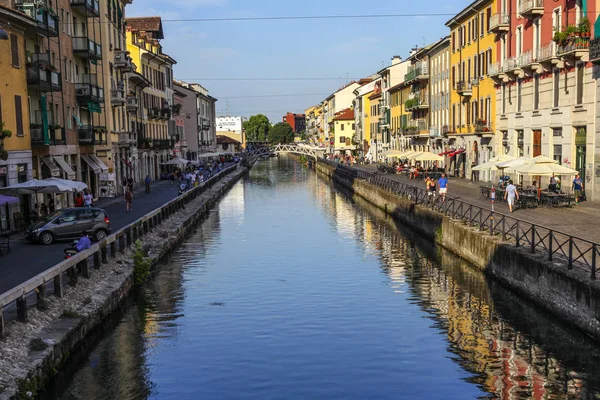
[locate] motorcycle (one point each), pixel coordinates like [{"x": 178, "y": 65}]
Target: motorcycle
[{"x": 71, "y": 249}]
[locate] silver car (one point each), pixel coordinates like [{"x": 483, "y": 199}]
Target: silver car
[{"x": 68, "y": 224}]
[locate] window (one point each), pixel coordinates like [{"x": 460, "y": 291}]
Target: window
[
  {"x": 343, "y": 139},
  {"x": 69, "y": 117},
  {"x": 68, "y": 23},
  {"x": 65, "y": 69},
  {"x": 14, "y": 49},
  {"x": 520, "y": 137},
  {"x": 557, "y": 132},
  {"x": 580, "y": 78},
  {"x": 503, "y": 98},
  {"x": 519, "y": 91},
  {"x": 19, "y": 115},
  {"x": 519, "y": 41},
  {"x": 557, "y": 153},
  {"x": 342, "y": 126},
  {"x": 62, "y": 19},
  {"x": 556, "y": 88},
  {"x": 481, "y": 24},
  {"x": 536, "y": 92}
]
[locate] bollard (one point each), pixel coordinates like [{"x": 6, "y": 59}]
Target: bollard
[
  {"x": 72, "y": 273},
  {"x": 122, "y": 244},
  {"x": 58, "y": 286},
  {"x": 40, "y": 292},
  {"x": 128, "y": 236},
  {"x": 84, "y": 269},
  {"x": 104, "y": 254},
  {"x": 97, "y": 260},
  {"x": 113, "y": 249},
  {"x": 22, "y": 309}
]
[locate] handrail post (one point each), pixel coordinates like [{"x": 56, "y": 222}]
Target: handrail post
[
  {"x": 480, "y": 219},
  {"x": 503, "y": 228},
  {"x": 58, "y": 286},
  {"x": 517, "y": 238},
  {"x": 594, "y": 250},
  {"x": 533, "y": 238},
  {"x": 2, "y": 329},
  {"x": 570, "y": 264},
  {"x": 550, "y": 240},
  {"x": 22, "y": 308},
  {"x": 40, "y": 293}
]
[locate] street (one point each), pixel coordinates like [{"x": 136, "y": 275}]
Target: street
[{"x": 28, "y": 259}]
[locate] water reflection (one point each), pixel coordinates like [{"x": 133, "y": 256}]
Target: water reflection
[{"x": 292, "y": 289}]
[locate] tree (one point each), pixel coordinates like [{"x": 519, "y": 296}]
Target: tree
[
  {"x": 281, "y": 133},
  {"x": 257, "y": 128}
]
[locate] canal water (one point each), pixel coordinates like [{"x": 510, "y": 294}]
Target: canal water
[{"x": 290, "y": 289}]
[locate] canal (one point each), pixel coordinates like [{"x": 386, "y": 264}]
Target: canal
[{"x": 290, "y": 289}]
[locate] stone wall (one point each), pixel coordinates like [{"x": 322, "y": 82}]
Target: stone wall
[{"x": 569, "y": 294}]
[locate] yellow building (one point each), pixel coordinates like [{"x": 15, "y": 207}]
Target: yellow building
[
  {"x": 15, "y": 150},
  {"x": 342, "y": 128},
  {"x": 472, "y": 99}
]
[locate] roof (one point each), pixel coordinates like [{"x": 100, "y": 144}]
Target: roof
[
  {"x": 344, "y": 115},
  {"x": 471, "y": 9},
  {"x": 146, "y": 24},
  {"x": 226, "y": 140}
]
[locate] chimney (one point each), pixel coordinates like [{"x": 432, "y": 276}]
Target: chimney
[{"x": 396, "y": 60}]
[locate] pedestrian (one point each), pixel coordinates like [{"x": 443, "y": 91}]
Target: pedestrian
[
  {"x": 147, "y": 182},
  {"x": 443, "y": 183},
  {"x": 88, "y": 199},
  {"x": 130, "y": 184},
  {"x": 577, "y": 187},
  {"x": 51, "y": 207},
  {"x": 128, "y": 200},
  {"x": 430, "y": 185},
  {"x": 43, "y": 209},
  {"x": 510, "y": 195},
  {"x": 553, "y": 184},
  {"x": 172, "y": 178},
  {"x": 79, "y": 200}
]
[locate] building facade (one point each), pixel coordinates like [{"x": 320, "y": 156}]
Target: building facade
[
  {"x": 296, "y": 121},
  {"x": 439, "y": 93},
  {"x": 342, "y": 127},
  {"x": 473, "y": 34},
  {"x": 231, "y": 127}
]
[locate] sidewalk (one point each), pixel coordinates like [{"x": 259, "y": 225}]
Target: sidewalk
[
  {"x": 581, "y": 221},
  {"x": 27, "y": 259}
]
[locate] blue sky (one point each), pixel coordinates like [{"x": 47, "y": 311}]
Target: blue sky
[{"x": 338, "y": 48}]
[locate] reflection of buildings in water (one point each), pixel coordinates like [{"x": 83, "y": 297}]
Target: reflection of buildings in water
[{"x": 234, "y": 203}]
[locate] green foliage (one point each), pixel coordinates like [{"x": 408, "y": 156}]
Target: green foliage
[
  {"x": 141, "y": 265},
  {"x": 257, "y": 128},
  {"x": 584, "y": 25},
  {"x": 4, "y": 133},
  {"x": 281, "y": 133}
]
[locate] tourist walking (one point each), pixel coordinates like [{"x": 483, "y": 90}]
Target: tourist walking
[
  {"x": 553, "y": 184},
  {"x": 443, "y": 183},
  {"x": 88, "y": 199},
  {"x": 510, "y": 195},
  {"x": 128, "y": 199},
  {"x": 577, "y": 187},
  {"x": 430, "y": 187},
  {"x": 147, "y": 182},
  {"x": 79, "y": 200}
]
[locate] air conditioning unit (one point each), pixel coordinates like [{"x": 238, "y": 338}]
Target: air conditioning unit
[{"x": 84, "y": 91}]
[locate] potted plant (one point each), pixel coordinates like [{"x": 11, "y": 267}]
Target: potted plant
[
  {"x": 560, "y": 38},
  {"x": 570, "y": 31},
  {"x": 584, "y": 27}
]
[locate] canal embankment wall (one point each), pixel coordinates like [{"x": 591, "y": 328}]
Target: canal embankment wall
[
  {"x": 569, "y": 294},
  {"x": 32, "y": 352}
]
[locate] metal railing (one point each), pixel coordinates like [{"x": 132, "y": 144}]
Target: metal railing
[
  {"x": 526, "y": 6},
  {"x": 546, "y": 52},
  {"x": 35, "y": 290},
  {"x": 499, "y": 20},
  {"x": 557, "y": 247}
]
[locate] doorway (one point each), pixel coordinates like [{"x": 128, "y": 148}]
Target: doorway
[
  {"x": 580, "y": 147},
  {"x": 537, "y": 143}
]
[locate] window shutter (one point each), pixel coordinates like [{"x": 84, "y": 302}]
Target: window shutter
[
  {"x": 14, "y": 47},
  {"x": 19, "y": 116}
]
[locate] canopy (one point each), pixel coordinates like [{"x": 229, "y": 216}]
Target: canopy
[
  {"x": 407, "y": 154},
  {"x": 393, "y": 153},
  {"x": 426, "y": 156},
  {"x": 176, "y": 161},
  {"x": 4, "y": 200},
  {"x": 511, "y": 165},
  {"x": 66, "y": 184},
  {"x": 33, "y": 186},
  {"x": 544, "y": 166},
  {"x": 206, "y": 155}
]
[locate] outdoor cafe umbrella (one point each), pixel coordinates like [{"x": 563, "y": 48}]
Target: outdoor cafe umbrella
[
  {"x": 392, "y": 153},
  {"x": 67, "y": 185},
  {"x": 33, "y": 186},
  {"x": 544, "y": 166},
  {"x": 426, "y": 157},
  {"x": 491, "y": 164},
  {"x": 511, "y": 165},
  {"x": 4, "y": 200},
  {"x": 176, "y": 161}
]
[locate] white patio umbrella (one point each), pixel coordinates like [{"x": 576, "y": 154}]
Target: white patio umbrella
[
  {"x": 426, "y": 157},
  {"x": 176, "y": 161},
  {"x": 392, "y": 153},
  {"x": 511, "y": 165},
  {"x": 490, "y": 165},
  {"x": 544, "y": 166},
  {"x": 33, "y": 186},
  {"x": 67, "y": 185}
]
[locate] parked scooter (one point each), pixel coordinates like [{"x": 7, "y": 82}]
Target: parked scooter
[
  {"x": 70, "y": 250},
  {"x": 182, "y": 189}
]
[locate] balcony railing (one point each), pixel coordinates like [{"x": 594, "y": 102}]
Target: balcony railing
[
  {"x": 132, "y": 103},
  {"x": 546, "y": 52},
  {"x": 419, "y": 70},
  {"x": 464, "y": 88},
  {"x": 89, "y": 134},
  {"x": 43, "y": 78},
  {"x": 87, "y": 48},
  {"x": 91, "y": 7},
  {"x": 416, "y": 103},
  {"x": 499, "y": 23},
  {"x": 56, "y": 134},
  {"x": 117, "y": 97},
  {"x": 89, "y": 91},
  {"x": 576, "y": 47},
  {"x": 525, "y": 59},
  {"x": 123, "y": 61},
  {"x": 595, "y": 50},
  {"x": 163, "y": 144},
  {"x": 531, "y": 8},
  {"x": 47, "y": 21}
]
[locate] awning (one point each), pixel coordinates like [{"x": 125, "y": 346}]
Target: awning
[
  {"x": 94, "y": 107},
  {"x": 54, "y": 170},
  {"x": 446, "y": 153},
  {"x": 99, "y": 162},
  {"x": 65, "y": 167},
  {"x": 92, "y": 164},
  {"x": 127, "y": 163},
  {"x": 76, "y": 118}
]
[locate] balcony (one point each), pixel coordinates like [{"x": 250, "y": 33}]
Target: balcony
[
  {"x": 92, "y": 135},
  {"x": 162, "y": 144},
  {"x": 42, "y": 75},
  {"x": 89, "y": 91},
  {"x": 417, "y": 71},
  {"x": 531, "y": 8},
  {"x": 595, "y": 50},
  {"x": 165, "y": 113},
  {"x": 117, "y": 97},
  {"x": 575, "y": 48},
  {"x": 56, "y": 133},
  {"x": 127, "y": 138},
  {"x": 464, "y": 88},
  {"x": 47, "y": 20},
  {"x": 132, "y": 104},
  {"x": 123, "y": 61},
  {"x": 87, "y": 48},
  {"x": 416, "y": 104},
  {"x": 90, "y": 8},
  {"x": 499, "y": 23},
  {"x": 547, "y": 53}
]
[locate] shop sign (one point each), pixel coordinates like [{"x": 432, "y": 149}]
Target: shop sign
[
  {"x": 3, "y": 170},
  {"x": 21, "y": 169}
]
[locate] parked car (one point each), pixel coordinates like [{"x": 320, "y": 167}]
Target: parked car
[{"x": 68, "y": 224}]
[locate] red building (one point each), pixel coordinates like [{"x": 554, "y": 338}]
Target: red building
[{"x": 296, "y": 121}]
